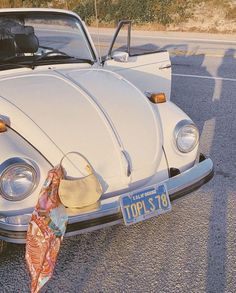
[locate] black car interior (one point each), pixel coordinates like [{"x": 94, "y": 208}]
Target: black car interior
[{"x": 16, "y": 39}]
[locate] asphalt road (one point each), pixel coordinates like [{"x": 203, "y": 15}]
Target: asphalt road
[{"x": 192, "y": 249}]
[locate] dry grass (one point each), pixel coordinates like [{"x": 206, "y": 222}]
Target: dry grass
[
  {"x": 190, "y": 15},
  {"x": 213, "y": 16},
  {"x": 231, "y": 13}
]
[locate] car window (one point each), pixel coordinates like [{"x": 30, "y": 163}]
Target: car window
[{"x": 58, "y": 32}]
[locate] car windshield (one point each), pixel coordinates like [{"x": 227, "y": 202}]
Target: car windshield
[{"x": 42, "y": 38}]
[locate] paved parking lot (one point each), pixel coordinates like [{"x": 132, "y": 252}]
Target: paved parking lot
[{"x": 192, "y": 249}]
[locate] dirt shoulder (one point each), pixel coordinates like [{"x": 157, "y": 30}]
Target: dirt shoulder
[
  {"x": 170, "y": 34},
  {"x": 192, "y": 26}
]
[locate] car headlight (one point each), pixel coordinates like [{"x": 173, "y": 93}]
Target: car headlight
[
  {"x": 186, "y": 136},
  {"x": 18, "y": 179}
]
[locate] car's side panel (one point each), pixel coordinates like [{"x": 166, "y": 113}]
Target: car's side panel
[{"x": 148, "y": 72}]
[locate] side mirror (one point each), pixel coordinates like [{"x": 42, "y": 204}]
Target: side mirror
[
  {"x": 120, "y": 56},
  {"x": 117, "y": 55}
]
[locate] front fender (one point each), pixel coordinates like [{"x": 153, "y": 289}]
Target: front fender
[
  {"x": 29, "y": 130},
  {"x": 13, "y": 145},
  {"x": 170, "y": 115}
]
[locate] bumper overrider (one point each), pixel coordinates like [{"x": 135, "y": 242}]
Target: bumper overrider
[{"x": 109, "y": 212}]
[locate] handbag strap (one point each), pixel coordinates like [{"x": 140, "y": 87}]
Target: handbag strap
[{"x": 91, "y": 170}]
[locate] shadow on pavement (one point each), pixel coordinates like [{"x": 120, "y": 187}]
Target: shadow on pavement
[
  {"x": 215, "y": 116},
  {"x": 223, "y": 152}
]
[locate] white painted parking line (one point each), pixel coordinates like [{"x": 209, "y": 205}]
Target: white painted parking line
[{"x": 205, "y": 77}]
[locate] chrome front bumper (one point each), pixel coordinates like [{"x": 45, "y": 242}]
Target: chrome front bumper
[{"x": 109, "y": 213}]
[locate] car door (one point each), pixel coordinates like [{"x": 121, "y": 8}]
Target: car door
[{"x": 145, "y": 66}]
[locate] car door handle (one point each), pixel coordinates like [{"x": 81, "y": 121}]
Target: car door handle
[{"x": 165, "y": 66}]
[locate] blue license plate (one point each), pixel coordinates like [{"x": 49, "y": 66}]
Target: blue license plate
[{"x": 144, "y": 204}]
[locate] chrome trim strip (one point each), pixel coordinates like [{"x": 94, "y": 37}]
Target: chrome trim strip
[
  {"x": 190, "y": 177},
  {"x": 13, "y": 240},
  {"x": 185, "y": 183}
]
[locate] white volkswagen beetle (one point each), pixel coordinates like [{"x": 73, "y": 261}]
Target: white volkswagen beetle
[{"x": 57, "y": 96}]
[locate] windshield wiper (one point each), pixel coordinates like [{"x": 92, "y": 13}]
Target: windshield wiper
[
  {"x": 54, "y": 53},
  {"x": 14, "y": 65},
  {"x": 54, "y": 56},
  {"x": 44, "y": 55}
]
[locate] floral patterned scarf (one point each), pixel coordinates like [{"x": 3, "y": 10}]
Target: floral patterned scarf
[{"x": 45, "y": 231}]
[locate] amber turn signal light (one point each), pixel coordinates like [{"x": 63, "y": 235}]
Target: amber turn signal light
[
  {"x": 3, "y": 126},
  {"x": 157, "y": 98}
]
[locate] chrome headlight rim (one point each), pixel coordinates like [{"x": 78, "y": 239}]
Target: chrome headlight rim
[
  {"x": 12, "y": 163},
  {"x": 178, "y": 128}
]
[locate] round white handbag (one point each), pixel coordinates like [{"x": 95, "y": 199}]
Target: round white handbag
[{"x": 80, "y": 192}]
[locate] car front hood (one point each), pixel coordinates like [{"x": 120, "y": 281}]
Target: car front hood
[{"x": 92, "y": 111}]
